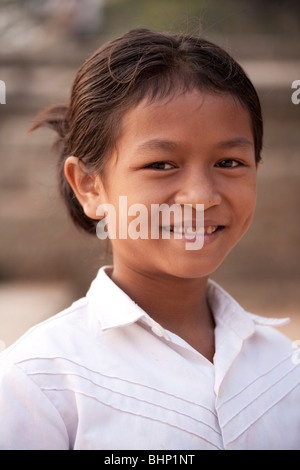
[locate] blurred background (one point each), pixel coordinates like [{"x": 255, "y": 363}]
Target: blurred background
[{"x": 46, "y": 263}]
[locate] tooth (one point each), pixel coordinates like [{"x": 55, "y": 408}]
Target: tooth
[
  {"x": 190, "y": 231},
  {"x": 200, "y": 231}
]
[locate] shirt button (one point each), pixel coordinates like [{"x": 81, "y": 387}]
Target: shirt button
[{"x": 158, "y": 330}]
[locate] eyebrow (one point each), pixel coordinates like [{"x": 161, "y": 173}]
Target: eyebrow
[
  {"x": 236, "y": 142},
  {"x": 169, "y": 145},
  {"x": 159, "y": 144}
]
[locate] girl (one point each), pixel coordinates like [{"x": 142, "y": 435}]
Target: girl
[{"x": 156, "y": 356}]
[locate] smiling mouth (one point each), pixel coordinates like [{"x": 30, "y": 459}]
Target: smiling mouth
[{"x": 191, "y": 231}]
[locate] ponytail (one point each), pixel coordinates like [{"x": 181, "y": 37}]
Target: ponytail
[{"x": 56, "y": 119}]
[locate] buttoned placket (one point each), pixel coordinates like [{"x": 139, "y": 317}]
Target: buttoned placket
[{"x": 225, "y": 355}]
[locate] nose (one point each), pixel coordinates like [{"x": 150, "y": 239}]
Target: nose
[{"x": 197, "y": 186}]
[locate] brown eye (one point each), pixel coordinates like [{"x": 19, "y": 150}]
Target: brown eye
[
  {"x": 228, "y": 163},
  {"x": 160, "y": 166}
]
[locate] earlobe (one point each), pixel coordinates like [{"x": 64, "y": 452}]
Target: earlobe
[{"x": 86, "y": 186}]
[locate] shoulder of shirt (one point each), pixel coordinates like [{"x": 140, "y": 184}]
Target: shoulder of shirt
[
  {"x": 234, "y": 309},
  {"x": 50, "y": 337}
]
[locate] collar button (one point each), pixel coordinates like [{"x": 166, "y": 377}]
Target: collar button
[{"x": 158, "y": 330}]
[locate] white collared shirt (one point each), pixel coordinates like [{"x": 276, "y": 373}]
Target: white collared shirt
[{"x": 103, "y": 375}]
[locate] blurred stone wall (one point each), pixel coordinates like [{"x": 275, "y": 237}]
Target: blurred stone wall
[{"x": 40, "y": 53}]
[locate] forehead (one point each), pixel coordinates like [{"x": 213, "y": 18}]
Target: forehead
[{"x": 193, "y": 116}]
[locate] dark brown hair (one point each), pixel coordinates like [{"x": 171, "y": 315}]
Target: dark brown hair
[{"x": 141, "y": 64}]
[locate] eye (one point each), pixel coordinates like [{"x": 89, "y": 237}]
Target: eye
[
  {"x": 228, "y": 163},
  {"x": 160, "y": 166}
]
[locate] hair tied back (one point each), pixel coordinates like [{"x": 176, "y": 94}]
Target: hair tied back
[{"x": 56, "y": 118}]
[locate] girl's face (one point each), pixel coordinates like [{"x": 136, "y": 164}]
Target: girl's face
[{"x": 194, "y": 148}]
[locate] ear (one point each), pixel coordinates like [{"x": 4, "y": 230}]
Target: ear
[{"x": 86, "y": 187}]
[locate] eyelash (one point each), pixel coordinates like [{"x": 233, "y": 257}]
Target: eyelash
[
  {"x": 225, "y": 161},
  {"x": 152, "y": 167},
  {"x": 237, "y": 163}
]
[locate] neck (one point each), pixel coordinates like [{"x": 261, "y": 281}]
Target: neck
[{"x": 179, "y": 305}]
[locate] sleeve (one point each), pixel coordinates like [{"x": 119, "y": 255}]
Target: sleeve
[{"x": 28, "y": 419}]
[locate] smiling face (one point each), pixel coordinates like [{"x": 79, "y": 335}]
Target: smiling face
[{"x": 193, "y": 148}]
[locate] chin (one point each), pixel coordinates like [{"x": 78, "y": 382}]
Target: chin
[{"x": 191, "y": 269}]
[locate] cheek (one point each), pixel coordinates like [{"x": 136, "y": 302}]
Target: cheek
[{"x": 245, "y": 204}]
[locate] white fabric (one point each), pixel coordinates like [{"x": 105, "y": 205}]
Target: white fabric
[{"x": 103, "y": 375}]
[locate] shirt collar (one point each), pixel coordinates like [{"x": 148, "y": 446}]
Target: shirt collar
[
  {"x": 114, "y": 308},
  {"x": 229, "y": 312}
]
